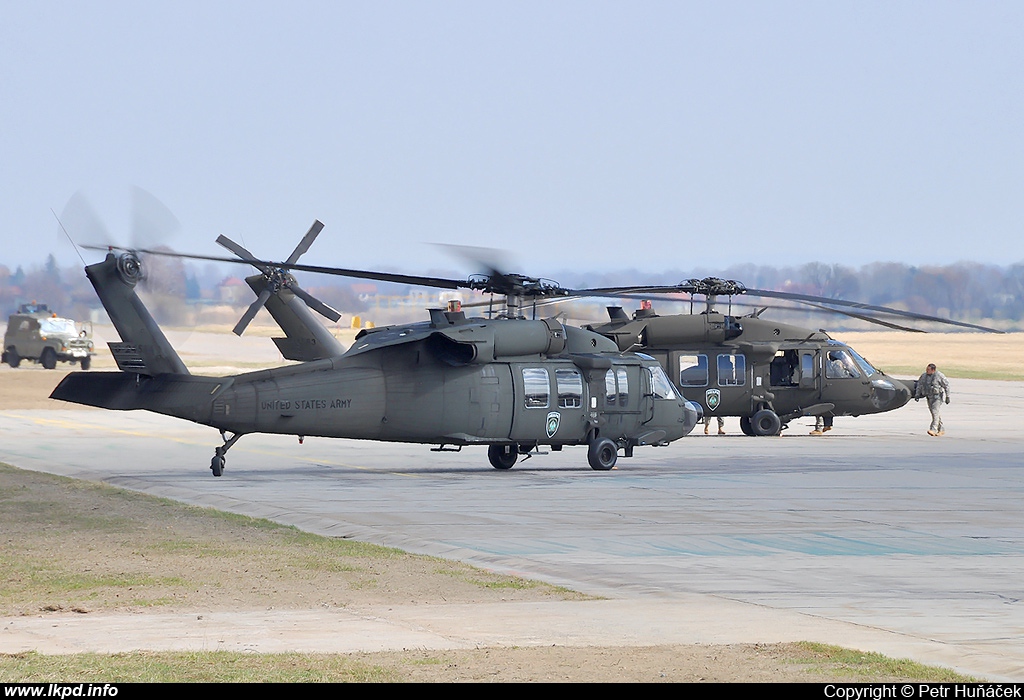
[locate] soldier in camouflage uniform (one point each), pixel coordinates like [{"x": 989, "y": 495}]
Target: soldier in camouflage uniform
[
  {"x": 721, "y": 425},
  {"x": 933, "y": 386}
]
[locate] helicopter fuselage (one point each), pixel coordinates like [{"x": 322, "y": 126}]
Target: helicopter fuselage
[
  {"x": 452, "y": 381},
  {"x": 739, "y": 366}
]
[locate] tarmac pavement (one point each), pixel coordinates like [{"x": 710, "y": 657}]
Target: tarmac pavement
[{"x": 874, "y": 535}]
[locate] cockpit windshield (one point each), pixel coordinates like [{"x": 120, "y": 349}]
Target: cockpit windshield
[
  {"x": 660, "y": 384},
  {"x": 848, "y": 354}
]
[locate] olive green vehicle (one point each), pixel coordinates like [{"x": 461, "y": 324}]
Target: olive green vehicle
[
  {"x": 764, "y": 372},
  {"x": 39, "y": 335},
  {"x": 511, "y": 385}
]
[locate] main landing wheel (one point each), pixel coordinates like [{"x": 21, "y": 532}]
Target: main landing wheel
[
  {"x": 745, "y": 426},
  {"x": 502, "y": 456},
  {"x": 602, "y": 454},
  {"x": 766, "y": 422},
  {"x": 217, "y": 464}
]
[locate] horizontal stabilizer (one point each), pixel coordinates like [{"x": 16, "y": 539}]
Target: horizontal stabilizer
[{"x": 179, "y": 395}]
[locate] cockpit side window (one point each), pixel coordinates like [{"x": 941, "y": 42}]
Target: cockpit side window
[
  {"x": 840, "y": 365},
  {"x": 622, "y": 377},
  {"x": 610, "y": 393}
]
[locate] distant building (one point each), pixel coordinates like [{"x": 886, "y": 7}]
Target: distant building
[{"x": 233, "y": 291}]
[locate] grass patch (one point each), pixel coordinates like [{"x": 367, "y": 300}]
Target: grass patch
[
  {"x": 73, "y": 545},
  {"x": 865, "y": 666},
  {"x": 197, "y": 667},
  {"x": 955, "y": 372}
]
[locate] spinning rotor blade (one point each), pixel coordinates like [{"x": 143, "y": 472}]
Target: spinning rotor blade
[
  {"x": 80, "y": 218},
  {"x": 153, "y": 224}
]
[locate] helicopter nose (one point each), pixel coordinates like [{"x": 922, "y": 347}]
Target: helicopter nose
[{"x": 888, "y": 393}]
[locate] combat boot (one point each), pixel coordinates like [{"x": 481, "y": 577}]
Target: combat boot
[
  {"x": 816, "y": 432},
  {"x": 706, "y": 429},
  {"x": 933, "y": 433}
]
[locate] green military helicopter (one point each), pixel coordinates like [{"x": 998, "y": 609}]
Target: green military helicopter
[
  {"x": 764, "y": 372},
  {"x": 510, "y": 384}
]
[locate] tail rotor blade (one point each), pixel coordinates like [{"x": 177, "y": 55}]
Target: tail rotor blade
[
  {"x": 314, "y": 303},
  {"x": 81, "y": 219},
  {"x": 153, "y": 224},
  {"x": 306, "y": 242},
  {"x": 251, "y": 312},
  {"x": 238, "y": 250}
]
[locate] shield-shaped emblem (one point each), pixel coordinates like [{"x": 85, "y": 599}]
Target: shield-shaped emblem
[
  {"x": 553, "y": 419},
  {"x": 712, "y": 397}
]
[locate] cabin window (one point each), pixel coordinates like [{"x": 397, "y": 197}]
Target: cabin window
[
  {"x": 732, "y": 370},
  {"x": 536, "y": 386},
  {"x": 693, "y": 370},
  {"x": 570, "y": 388},
  {"x": 661, "y": 387},
  {"x": 610, "y": 392}
]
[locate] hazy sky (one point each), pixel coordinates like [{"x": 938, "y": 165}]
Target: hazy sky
[{"x": 580, "y": 135}]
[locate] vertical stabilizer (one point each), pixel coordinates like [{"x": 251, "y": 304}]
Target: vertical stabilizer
[
  {"x": 144, "y": 348},
  {"x": 306, "y": 339}
]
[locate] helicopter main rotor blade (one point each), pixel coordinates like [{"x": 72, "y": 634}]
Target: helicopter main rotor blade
[
  {"x": 251, "y": 312},
  {"x": 862, "y": 317},
  {"x": 805, "y": 298},
  {"x": 730, "y": 288}
]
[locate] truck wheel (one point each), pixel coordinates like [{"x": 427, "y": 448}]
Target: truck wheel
[
  {"x": 48, "y": 359},
  {"x": 12, "y": 357},
  {"x": 86, "y": 362}
]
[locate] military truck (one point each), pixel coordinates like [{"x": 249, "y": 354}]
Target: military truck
[{"x": 35, "y": 333}]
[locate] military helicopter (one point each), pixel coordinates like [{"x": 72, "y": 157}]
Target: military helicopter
[
  {"x": 766, "y": 373},
  {"x": 450, "y": 381}
]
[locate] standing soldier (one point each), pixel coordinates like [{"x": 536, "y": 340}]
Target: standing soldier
[
  {"x": 933, "y": 386},
  {"x": 721, "y": 425}
]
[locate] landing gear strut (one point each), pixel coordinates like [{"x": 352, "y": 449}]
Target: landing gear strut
[{"x": 217, "y": 463}]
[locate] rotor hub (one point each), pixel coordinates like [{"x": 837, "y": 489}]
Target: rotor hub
[{"x": 129, "y": 267}]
